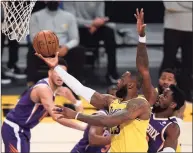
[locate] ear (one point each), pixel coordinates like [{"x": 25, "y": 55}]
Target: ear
[
  {"x": 130, "y": 85},
  {"x": 173, "y": 105}
]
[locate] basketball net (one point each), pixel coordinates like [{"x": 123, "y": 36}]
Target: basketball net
[{"x": 16, "y": 18}]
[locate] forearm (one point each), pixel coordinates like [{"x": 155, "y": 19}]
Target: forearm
[
  {"x": 102, "y": 120},
  {"x": 74, "y": 84},
  {"x": 99, "y": 140},
  {"x": 72, "y": 124},
  {"x": 142, "y": 61}
]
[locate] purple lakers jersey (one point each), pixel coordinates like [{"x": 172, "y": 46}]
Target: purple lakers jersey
[
  {"x": 83, "y": 145},
  {"x": 156, "y": 132},
  {"x": 27, "y": 113}
]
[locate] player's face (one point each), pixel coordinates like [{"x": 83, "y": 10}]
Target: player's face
[
  {"x": 56, "y": 79},
  {"x": 166, "y": 79},
  {"x": 124, "y": 83},
  {"x": 165, "y": 100},
  {"x": 124, "y": 80}
]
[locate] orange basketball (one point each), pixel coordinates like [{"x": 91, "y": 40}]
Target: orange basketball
[{"x": 46, "y": 43}]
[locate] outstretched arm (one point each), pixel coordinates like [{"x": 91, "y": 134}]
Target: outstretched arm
[
  {"x": 136, "y": 108},
  {"x": 45, "y": 95},
  {"x": 94, "y": 98},
  {"x": 142, "y": 61}
]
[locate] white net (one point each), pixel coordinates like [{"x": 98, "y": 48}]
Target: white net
[{"x": 16, "y": 18}]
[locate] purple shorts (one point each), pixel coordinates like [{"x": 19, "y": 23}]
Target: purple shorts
[{"x": 15, "y": 138}]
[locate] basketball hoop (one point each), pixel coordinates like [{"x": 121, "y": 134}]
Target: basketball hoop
[{"x": 16, "y": 18}]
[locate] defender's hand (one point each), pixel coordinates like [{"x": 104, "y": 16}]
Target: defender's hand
[
  {"x": 65, "y": 112},
  {"x": 51, "y": 62},
  {"x": 140, "y": 22}
]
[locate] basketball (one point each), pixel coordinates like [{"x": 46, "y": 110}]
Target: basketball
[{"x": 46, "y": 43}]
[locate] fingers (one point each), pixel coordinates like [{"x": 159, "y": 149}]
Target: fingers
[
  {"x": 39, "y": 55},
  {"x": 57, "y": 109},
  {"x": 144, "y": 25},
  {"x": 56, "y": 54},
  {"x": 137, "y": 12},
  {"x": 135, "y": 16}
]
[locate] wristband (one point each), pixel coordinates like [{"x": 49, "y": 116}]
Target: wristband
[
  {"x": 142, "y": 39},
  {"x": 78, "y": 103}
]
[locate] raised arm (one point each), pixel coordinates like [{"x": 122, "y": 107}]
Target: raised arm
[
  {"x": 44, "y": 94},
  {"x": 94, "y": 98},
  {"x": 136, "y": 108},
  {"x": 171, "y": 141},
  {"x": 142, "y": 61}
]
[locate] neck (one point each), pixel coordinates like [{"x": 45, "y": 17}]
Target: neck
[
  {"x": 164, "y": 114},
  {"x": 52, "y": 86},
  {"x": 130, "y": 95}
]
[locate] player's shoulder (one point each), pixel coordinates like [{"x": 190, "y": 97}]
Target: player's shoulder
[
  {"x": 42, "y": 85},
  {"x": 173, "y": 129},
  {"x": 141, "y": 99}
]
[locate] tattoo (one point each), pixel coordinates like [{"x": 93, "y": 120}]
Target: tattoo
[
  {"x": 134, "y": 109},
  {"x": 134, "y": 106},
  {"x": 101, "y": 101},
  {"x": 142, "y": 61}
]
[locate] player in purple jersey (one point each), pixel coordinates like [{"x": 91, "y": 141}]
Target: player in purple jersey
[
  {"x": 164, "y": 130},
  {"x": 172, "y": 99},
  {"x": 95, "y": 139},
  {"x": 33, "y": 105}
]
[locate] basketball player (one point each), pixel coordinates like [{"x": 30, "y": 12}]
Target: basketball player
[
  {"x": 128, "y": 117},
  {"x": 95, "y": 139},
  {"x": 34, "y": 104},
  {"x": 164, "y": 137}
]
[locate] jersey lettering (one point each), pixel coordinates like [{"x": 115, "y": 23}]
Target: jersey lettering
[{"x": 153, "y": 133}]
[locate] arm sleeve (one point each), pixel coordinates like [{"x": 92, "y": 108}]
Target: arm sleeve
[{"x": 74, "y": 84}]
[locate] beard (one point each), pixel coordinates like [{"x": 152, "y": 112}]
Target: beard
[
  {"x": 157, "y": 108},
  {"x": 122, "y": 92}
]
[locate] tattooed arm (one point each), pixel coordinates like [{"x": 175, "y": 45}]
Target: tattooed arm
[
  {"x": 142, "y": 61},
  {"x": 136, "y": 108}
]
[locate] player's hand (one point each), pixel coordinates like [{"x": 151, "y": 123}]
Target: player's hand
[
  {"x": 65, "y": 112},
  {"x": 140, "y": 22},
  {"x": 50, "y": 61}
]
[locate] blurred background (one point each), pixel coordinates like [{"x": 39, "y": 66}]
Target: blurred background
[{"x": 100, "y": 57}]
